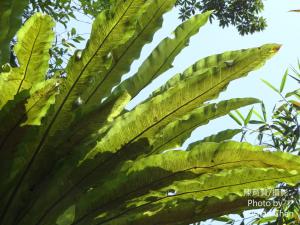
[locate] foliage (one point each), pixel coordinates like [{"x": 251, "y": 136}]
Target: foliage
[
  {"x": 63, "y": 12},
  {"x": 72, "y": 154},
  {"x": 10, "y": 17},
  {"x": 243, "y": 14},
  {"x": 281, "y": 133}
]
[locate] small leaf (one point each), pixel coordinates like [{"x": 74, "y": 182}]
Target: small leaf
[
  {"x": 295, "y": 78},
  {"x": 248, "y": 117},
  {"x": 270, "y": 85},
  {"x": 260, "y": 138},
  {"x": 258, "y": 115},
  {"x": 283, "y": 81},
  {"x": 73, "y": 31},
  {"x": 256, "y": 122},
  {"x": 263, "y": 109},
  {"x": 240, "y": 114},
  {"x": 235, "y": 119},
  {"x": 293, "y": 93},
  {"x": 277, "y": 129}
]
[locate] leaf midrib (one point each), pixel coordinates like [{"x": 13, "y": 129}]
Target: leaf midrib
[
  {"x": 132, "y": 140},
  {"x": 188, "y": 129},
  {"x": 11, "y": 198},
  {"x": 200, "y": 123},
  {"x": 110, "y": 158},
  {"x": 123, "y": 54},
  {"x": 171, "y": 54},
  {"x": 29, "y": 59},
  {"x": 120, "y": 59},
  {"x": 161, "y": 179},
  {"x": 192, "y": 192},
  {"x": 190, "y": 101}
]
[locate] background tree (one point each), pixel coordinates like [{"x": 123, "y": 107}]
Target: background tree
[
  {"x": 243, "y": 14},
  {"x": 62, "y": 11},
  {"x": 279, "y": 131}
]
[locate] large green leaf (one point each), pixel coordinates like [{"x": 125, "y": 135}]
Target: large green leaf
[
  {"x": 28, "y": 108},
  {"x": 187, "y": 196},
  {"x": 95, "y": 60},
  {"x": 9, "y": 86},
  {"x": 90, "y": 167},
  {"x": 188, "y": 93},
  {"x": 86, "y": 160},
  {"x": 42, "y": 97},
  {"x": 24, "y": 93},
  {"x": 229, "y": 58},
  {"x": 218, "y": 137},
  {"x": 124, "y": 55},
  {"x": 91, "y": 118},
  {"x": 32, "y": 50},
  {"x": 61, "y": 192},
  {"x": 204, "y": 169},
  {"x": 160, "y": 60},
  {"x": 174, "y": 134},
  {"x": 86, "y": 72},
  {"x": 165, "y": 52},
  {"x": 10, "y": 21}
]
